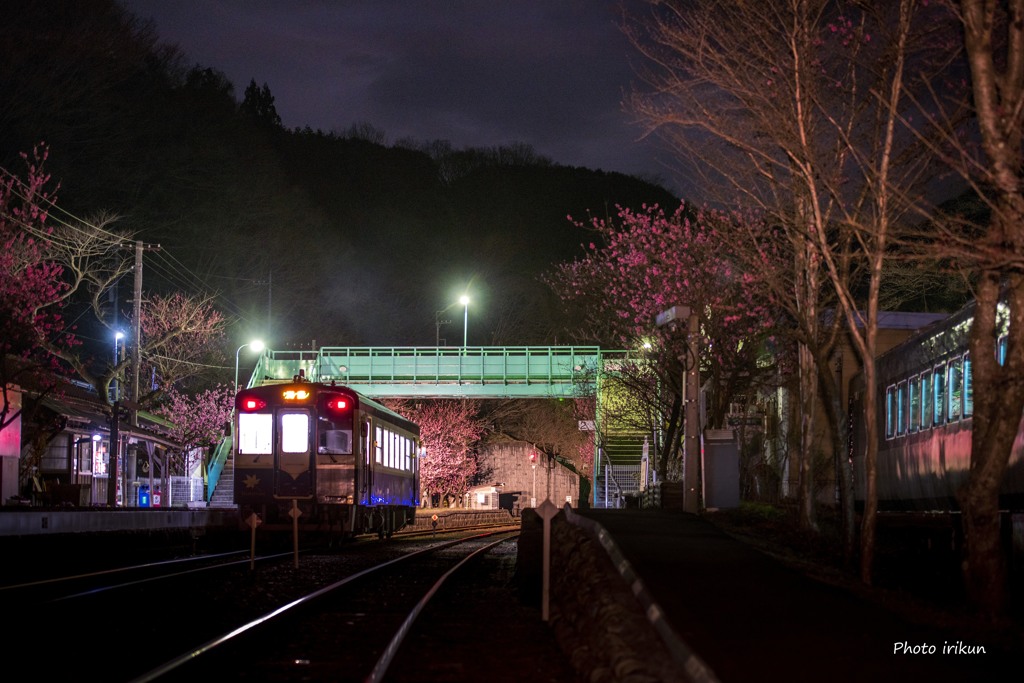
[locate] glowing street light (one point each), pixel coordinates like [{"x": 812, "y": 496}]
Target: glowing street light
[
  {"x": 256, "y": 345},
  {"x": 464, "y": 300},
  {"x": 118, "y": 341}
]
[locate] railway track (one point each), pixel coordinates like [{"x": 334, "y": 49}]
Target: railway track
[
  {"x": 127, "y": 621},
  {"x": 351, "y": 629}
]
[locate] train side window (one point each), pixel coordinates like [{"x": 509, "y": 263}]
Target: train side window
[
  {"x": 914, "y": 387},
  {"x": 379, "y": 446},
  {"x": 955, "y": 389},
  {"x": 926, "y": 401},
  {"x": 408, "y": 455},
  {"x": 890, "y": 412},
  {"x": 968, "y": 387},
  {"x": 938, "y": 395},
  {"x": 901, "y": 408}
]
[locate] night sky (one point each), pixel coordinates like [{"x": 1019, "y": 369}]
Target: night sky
[{"x": 548, "y": 73}]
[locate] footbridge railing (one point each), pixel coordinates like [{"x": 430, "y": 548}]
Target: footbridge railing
[{"x": 442, "y": 372}]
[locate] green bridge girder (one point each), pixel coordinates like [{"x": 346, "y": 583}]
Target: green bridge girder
[{"x": 443, "y": 372}]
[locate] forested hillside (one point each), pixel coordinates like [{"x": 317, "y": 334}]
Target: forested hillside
[{"x": 335, "y": 237}]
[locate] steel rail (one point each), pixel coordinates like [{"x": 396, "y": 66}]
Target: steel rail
[
  {"x": 381, "y": 668},
  {"x": 116, "y": 570},
  {"x": 206, "y": 647}
]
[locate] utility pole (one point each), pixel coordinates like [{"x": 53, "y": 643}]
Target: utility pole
[
  {"x": 691, "y": 466},
  {"x": 137, "y": 324},
  {"x": 437, "y": 323},
  {"x": 137, "y": 332},
  {"x": 691, "y": 394}
]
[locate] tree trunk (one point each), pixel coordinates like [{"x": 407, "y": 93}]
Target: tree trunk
[
  {"x": 836, "y": 413},
  {"x": 997, "y": 81},
  {"x": 808, "y": 395},
  {"x": 996, "y": 421},
  {"x": 870, "y": 516}
]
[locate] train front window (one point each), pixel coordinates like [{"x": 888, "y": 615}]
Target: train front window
[
  {"x": 334, "y": 437},
  {"x": 254, "y": 433},
  {"x": 294, "y": 432}
]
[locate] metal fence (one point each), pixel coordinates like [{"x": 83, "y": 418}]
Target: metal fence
[{"x": 185, "y": 490}]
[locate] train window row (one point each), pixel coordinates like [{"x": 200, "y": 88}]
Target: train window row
[
  {"x": 932, "y": 398},
  {"x": 393, "y": 449}
]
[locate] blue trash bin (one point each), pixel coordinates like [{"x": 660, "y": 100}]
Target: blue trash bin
[{"x": 143, "y": 496}]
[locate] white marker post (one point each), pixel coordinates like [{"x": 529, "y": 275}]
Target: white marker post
[
  {"x": 547, "y": 512},
  {"x": 253, "y": 521},
  {"x": 295, "y": 513}
]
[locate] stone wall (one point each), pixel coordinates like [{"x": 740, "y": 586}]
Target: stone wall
[
  {"x": 509, "y": 463},
  {"x": 595, "y": 618}
]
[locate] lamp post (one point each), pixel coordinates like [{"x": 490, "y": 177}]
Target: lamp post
[
  {"x": 256, "y": 345},
  {"x": 118, "y": 338},
  {"x": 115, "y": 433},
  {"x": 464, "y": 300}
]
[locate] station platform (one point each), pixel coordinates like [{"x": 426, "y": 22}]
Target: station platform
[
  {"x": 748, "y": 617},
  {"x": 35, "y": 521}
]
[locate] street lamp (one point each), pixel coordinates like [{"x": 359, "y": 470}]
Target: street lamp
[
  {"x": 115, "y": 434},
  {"x": 464, "y": 300},
  {"x": 118, "y": 337},
  {"x": 256, "y": 345}
]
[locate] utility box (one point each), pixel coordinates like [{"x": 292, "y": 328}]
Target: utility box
[{"x": 721, "y": 469}]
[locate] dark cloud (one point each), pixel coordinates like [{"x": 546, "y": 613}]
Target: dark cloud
[{"x": 548, "y": 73}]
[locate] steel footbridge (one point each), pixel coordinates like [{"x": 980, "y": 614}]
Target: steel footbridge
[
  {"x": 484, "y": 372},
  {"x": 443, "y": 372}
]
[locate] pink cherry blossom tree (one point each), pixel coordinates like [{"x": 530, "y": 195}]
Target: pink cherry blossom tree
[
  {"x": 198, "y": 420},
  {"x": 180, "y": 335},
  {"x": 43, "y": 267},
  {"x": 449, "y": 430},
  {"x": 645, "y": 262},
  {"x": 29, "y": 278}
]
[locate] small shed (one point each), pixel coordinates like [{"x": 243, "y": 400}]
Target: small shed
[{"x": 484, "y": 497}]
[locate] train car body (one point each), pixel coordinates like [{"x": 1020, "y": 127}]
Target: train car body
[
  {"x": 926, "y": 397},
  {"x": 347, "y": 463}
]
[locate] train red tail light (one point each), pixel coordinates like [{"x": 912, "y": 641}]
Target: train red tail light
[
  {"x": 339, "y": 404},
  {"x": 251, "y": 403}
]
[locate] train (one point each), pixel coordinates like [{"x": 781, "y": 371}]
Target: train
[
  {"x": 347, "y": 464},
  {"x": 925, "y": 397}
]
